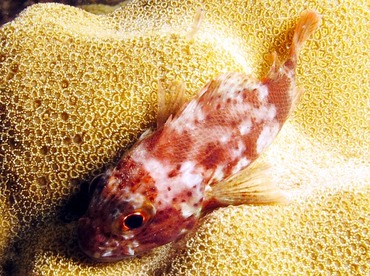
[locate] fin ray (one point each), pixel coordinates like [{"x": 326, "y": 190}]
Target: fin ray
[
  {"x": 249, "y": 186},
  {"x": 196, "y": 24},
  {"x": 173, "y": 103}
]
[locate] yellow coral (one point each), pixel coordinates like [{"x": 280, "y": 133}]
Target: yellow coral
[
  {"x": 77, "y": 88},
  {"x": 100, "y": 8}
]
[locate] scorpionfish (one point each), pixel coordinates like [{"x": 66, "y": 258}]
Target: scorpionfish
[{"x": 197, "y": 160}]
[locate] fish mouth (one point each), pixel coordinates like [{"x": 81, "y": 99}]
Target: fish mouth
[
  {"x": 87, "y": 238},
  {"x": 99, "y": 246}
]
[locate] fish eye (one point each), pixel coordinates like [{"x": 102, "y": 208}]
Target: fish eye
[
  {"x": 129, "y": 222},
  {"x": 133, "y": 221}
]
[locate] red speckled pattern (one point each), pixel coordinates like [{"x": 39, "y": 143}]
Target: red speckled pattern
[
  {"x": 163, "y": 178},
  {"x": 214, "y": 136}
]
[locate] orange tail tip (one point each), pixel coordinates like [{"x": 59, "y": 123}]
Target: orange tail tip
[{"x": 309, "y": 21}]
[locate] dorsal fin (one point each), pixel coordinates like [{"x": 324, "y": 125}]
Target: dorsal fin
[
  {"x": 196, "y": 24},
  {"x": 176, "y": 98},
  {"x": 171, "y": 102}
]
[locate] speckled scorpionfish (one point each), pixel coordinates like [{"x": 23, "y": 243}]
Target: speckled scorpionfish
[{"x": 194, "y": 162}]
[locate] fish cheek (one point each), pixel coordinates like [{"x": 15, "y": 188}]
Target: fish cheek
[{"x": 169, "y": 225}]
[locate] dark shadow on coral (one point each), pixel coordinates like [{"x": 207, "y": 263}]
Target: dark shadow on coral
[{"x": 52, "y": 234}]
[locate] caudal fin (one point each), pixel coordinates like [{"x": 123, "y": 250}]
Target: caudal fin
[{"x": 309, "y": 21}]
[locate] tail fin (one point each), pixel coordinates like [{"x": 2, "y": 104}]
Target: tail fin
[{"x": 309, "y": 21}]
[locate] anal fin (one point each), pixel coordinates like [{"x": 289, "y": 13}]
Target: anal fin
[{"x": 252, "y": 185}]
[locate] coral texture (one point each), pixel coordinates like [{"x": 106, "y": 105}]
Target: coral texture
[
  {"x": 76, "y": 89},
  {"x": 10, "y": 8}
]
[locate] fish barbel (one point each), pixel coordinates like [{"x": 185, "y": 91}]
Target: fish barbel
[{"x": 197, "y": 160}]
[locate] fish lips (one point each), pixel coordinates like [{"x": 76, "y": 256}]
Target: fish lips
[{"x": 95, "y": 243}]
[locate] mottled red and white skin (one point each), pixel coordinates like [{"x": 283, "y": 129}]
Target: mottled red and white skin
[{"x": 161, "y": 187}]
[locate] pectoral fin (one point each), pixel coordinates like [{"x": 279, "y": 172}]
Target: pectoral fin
[{"x": 252, "y": 185}]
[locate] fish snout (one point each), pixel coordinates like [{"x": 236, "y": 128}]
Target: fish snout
[
  {"x": 89, "y": 238},
  {"x": 101, "y": 246}
]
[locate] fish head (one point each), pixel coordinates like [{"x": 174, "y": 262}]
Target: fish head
[{"x": 122, "y": 223}]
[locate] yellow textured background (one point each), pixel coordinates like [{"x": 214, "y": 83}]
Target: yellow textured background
[{"x": 77, "y": 88}]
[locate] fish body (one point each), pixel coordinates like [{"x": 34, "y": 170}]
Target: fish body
[{"x": 161, "y": 187}]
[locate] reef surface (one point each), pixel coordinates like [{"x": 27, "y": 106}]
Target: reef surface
[{"x": 76, "y": 90}]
